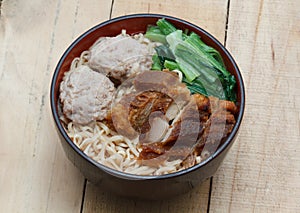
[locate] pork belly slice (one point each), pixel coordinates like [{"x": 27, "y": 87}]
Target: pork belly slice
[
  {"x": 215, "y": 122},
  {"x": 165, "y": 83},
  {"x": 153, "y": 92},
  {"x": 131, "y": 114}
]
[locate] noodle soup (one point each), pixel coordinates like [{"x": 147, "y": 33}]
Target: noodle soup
[
  {"x": 150, "y": 126},
  {"x": 167, "y": 126},
  {"x": 136, "y": 120}
]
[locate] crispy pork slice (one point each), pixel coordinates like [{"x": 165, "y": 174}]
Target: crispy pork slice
[
  {"x": 163, "y": 82},
  {"x": 153, "y": 92},
  {"x": 215, "y": 122},
  {"x": 131, "y": 114}
]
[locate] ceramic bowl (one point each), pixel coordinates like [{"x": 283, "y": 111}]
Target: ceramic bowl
[{"x": 146, "y": 187}]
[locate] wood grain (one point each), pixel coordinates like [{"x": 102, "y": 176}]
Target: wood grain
[
  {"x": 209, "y": 14},
  {"x": 215, "y": 21},
  {"x": 35, "y": 176},
  {"x": 262, "y": 172}
]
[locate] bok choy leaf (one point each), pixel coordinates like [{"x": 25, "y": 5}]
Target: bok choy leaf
[{"x": 202, "y": 66}]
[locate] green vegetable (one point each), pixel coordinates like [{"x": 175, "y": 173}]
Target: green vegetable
[
  {"x": 200, "y": 85},
  {"x": 207, "y": 49},
  {"x": 210, "y": 55},
  {"x": 171, "y": 65},
  {"x": 154, "y": 34},
  {"x": 164, "y": 53},
  {"x": 191, "y": 62},
  {"x": 165, "y": 27},
  {"x": 156, "y": 65},
  {"x": 203, "y": 67}
]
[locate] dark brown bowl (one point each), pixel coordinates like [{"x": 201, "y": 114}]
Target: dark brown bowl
[{"x": 148, "y": 187}]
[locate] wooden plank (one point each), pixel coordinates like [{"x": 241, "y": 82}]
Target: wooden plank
[
  {"x": 262, "y": 171},
  {"x": 211, "y": 15},
  {"x": 35, "y": 176}
]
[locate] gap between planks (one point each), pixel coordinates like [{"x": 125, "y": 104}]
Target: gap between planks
[
  {"x": 85, "y": 180},
  {"x": 83, "y": 195},
  {"x": 211, "y": 179},
  {"x": 209, "y": 194},
  {"x": 111, "y": 8},
  {"x": 225, "y": 40},
  {"x": 227, "y": 19},
  {"x": 0, "y": 6}
]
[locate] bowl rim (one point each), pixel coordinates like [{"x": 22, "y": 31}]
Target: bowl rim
[{"x": 129, "y": 176}]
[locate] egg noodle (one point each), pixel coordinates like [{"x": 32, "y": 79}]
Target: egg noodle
[{"x": 109, "y": 148}]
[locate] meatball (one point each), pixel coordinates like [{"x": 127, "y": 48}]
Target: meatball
[
  {"x": 120, "y": 57},
  {"x": 86, "y": 95}
]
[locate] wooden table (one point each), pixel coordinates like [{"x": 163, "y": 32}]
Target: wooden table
[{"x": 261, "y": 172}]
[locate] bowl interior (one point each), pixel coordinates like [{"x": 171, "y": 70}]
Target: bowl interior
[{"x": 138, "y": 24}]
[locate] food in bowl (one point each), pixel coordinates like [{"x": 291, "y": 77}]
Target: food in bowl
[{"x": 148, "y": 104}]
